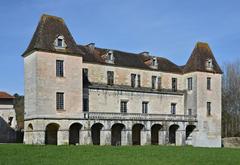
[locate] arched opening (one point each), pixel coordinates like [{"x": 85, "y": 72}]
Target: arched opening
[
  {"x": 30, "y": 134},
  {"x": 95, "y": 132},
  {"x": 189, "y": 131},
  {"x": 30, "y": 127},
  {"x": 136, "y": 134},
  {"x": 51, "y": 133},
  {"x": 74, "y": 133},
  {"x": 172, "y": 133},
  {"x": 116, "y": 134},
  {"x": 155, "y": 133}
]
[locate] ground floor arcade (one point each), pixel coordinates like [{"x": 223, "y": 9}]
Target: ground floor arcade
[{"x": 108, "y": 132}]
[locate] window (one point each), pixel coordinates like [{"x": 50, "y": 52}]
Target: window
[
  {"x": 209, "y": 64},
  {"x": 139, "y": 80},
  {"x": 133, "y": 80},
  {"x": 208, "y": 108},
  {"x": 144, "y": 107},
  {"x": 59, "y": 68},
  {"x": 190, "y": 112},
  {"x": 189, "y": 80},
  {"x": 59, "y": 42},
  {"x": 123, "y": 106},
  {"x": 109, "y": 58},
  {"x": 60, "y": 101},
  {"x": 85, "y": 75},
  {"x": 154, "y": 61},
  {"x": 10, "y": 119},
  {"x": 174, "y": 84},
  {"x": 110, "y": 77},
  {"x": 159, "y": 83},
  {"x": 154, "y": 79},
  {"x": 209, "y": 83},
  {"x": 173, "y": 108},
  {"x": 85, "y": 105}
]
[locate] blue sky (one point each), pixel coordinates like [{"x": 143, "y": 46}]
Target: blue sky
[{"x": 167, "y": 28}]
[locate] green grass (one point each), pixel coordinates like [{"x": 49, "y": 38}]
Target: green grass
[{"x": 20, "y": 154}]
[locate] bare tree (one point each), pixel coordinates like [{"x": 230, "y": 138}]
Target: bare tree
[{"x": 231, "y": 99}]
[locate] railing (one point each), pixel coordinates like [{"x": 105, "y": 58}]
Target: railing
[{"x": 138, "y": 116}]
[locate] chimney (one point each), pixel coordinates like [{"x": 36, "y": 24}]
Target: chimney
[{"x": 91, "y": 45}]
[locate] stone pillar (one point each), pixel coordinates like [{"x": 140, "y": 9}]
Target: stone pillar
[
  {"x": 63, "y": 137},
  {"x": 105, "y": 137},
  {"x": 145, "y": 137},
  {"x": 38, "y": 137},
  {"x": 162, "y": 137},
  {"x": 26, "y": 137},
  {"x": 126, "y": 138},
  {"x": 180, "y": 137},
  {"x": 85, "y": 137}
]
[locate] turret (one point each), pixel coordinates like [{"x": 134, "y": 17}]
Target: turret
[{"x": 203, "y": 78}]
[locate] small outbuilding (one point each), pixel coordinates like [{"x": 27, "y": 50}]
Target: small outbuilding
[{"x": 8, "y": 122}]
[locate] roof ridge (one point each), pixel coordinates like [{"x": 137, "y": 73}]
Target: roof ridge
[
  {"x": 5, "y": 95},
  {"x": 45, "y": 16}
]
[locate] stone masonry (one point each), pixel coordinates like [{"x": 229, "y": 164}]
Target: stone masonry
[{"x": 111, "y": 97}]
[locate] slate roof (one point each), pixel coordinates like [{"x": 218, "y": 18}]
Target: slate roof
[
  {"x": 50, "y": 27},
  {"x": 4, "y": 95},
  {"x": 197, "y": 60}
]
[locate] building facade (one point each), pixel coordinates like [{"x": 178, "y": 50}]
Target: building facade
[
  {"x": 8, "y": 123},
  {"x": 82, "y": 94}
]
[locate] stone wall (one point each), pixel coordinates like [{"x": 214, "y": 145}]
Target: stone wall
[
  {"x": 41, "y": 85},
  {"x": 231, "y": 142},
  {"x": 109, "y": 101},
  {"x": 209, "y": 134},
  {"x": 8, "y": 124},
  {"x": 122, "y": 76}
]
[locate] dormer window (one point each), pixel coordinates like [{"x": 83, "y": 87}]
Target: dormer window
[
  {"x": 109, "y": 58},
  {"x": 154, "y": 63},
  {"x": 209, "y": 64},
  {"x": 60, "y": 42}
]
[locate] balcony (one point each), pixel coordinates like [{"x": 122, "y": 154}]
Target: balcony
[{"x": 138, "y": 116}]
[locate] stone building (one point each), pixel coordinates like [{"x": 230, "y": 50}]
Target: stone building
[
  {"x": 8, "y": 122},
  {"x": 82, "y": 94}
]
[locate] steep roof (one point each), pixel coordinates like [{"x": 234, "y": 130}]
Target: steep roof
[
  {"x": 4, "y": 95},
  {"x": 48, "y": 29},
  {"x": 198, "y": 58},
  {"x": 126, "y": 59}
]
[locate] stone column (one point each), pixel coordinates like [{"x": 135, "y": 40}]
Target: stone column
[
  {"x": 180, "y": 137},
  {"x": 38, "y": 137},
  {"x": 145, "y": 137},
  {"x": 63, "y": 137},
  {"x": 105, "y": 137},
  {"x": 126, "y": 138},
  {"x": 85, "y": 137},
  {"x": 26, "y": 137},
  {"x": 162, "y": 137}
]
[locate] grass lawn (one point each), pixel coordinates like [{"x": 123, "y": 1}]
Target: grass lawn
[{"x": 19, "y": 154}]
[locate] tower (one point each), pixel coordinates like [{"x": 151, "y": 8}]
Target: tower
[
  {"x": 204, "y": 99},
  {"x": 53, "y": 79}
]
